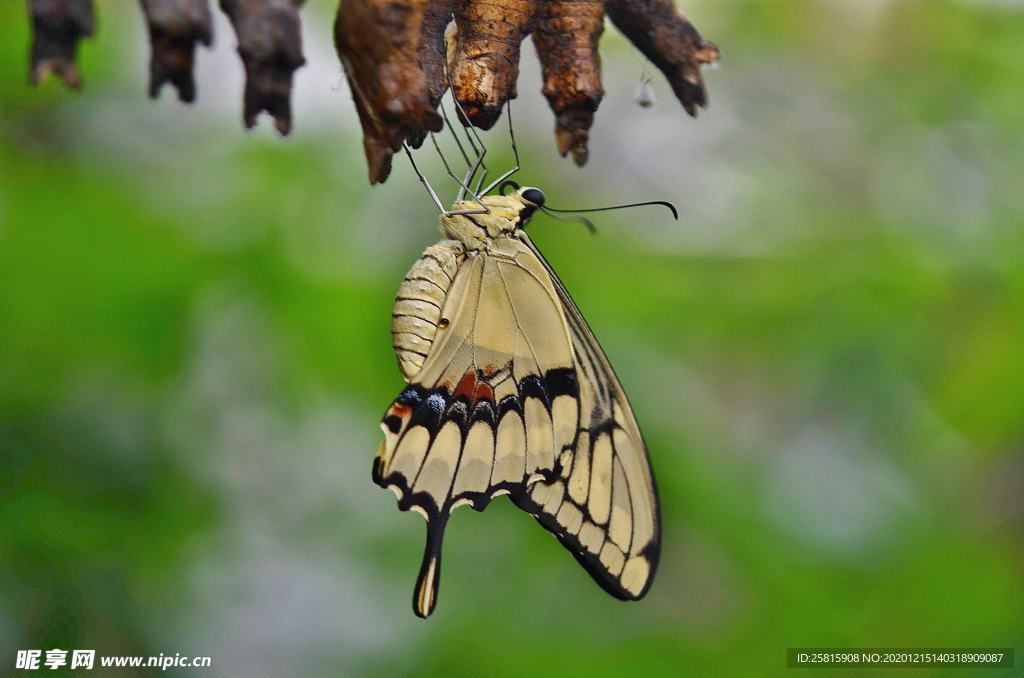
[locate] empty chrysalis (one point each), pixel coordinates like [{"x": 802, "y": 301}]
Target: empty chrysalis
[{"x": 509, "y": 393}]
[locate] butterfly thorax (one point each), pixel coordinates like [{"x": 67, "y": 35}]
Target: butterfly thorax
[{"x": 475, "y": 231}]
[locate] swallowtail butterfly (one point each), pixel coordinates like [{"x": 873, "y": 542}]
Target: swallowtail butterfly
[{"x": 509, "y": 393}]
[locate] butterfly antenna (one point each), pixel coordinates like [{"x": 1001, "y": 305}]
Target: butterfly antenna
[
  {"x": 424, "y": 181},
  {"x": 587, "y": 222},
  {"x": 515, "y": 152},
  {"x": 665, "y": 203}
]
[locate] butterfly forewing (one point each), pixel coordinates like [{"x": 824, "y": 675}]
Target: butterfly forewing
[{"x": 516, "y": 397}]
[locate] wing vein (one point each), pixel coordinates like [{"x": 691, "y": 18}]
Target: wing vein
[{"x": 515, "y": 316}]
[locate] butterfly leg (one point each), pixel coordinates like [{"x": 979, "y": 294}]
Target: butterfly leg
[
  {"x": 423, "y": 180},
  {"x": 515, "y": 151}
]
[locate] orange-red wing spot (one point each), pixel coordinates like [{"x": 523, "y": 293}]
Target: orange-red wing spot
[
  {"x": 400, "y": 411},
  {"x": 466, "y": 387},
  {"x": 474, "y": 390},
  {"x": 483, "y": 392}
]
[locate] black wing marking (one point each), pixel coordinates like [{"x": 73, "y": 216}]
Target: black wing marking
[{"x": 604, "y": 508}]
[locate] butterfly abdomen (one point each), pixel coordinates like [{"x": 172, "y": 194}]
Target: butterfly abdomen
[{"x": 418, "y": 304}]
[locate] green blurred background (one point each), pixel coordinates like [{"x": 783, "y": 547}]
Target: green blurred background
[{"x": 826, "y": 354}]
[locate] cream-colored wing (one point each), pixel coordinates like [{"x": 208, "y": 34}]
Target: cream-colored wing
[
  {"x": 604, "y": 507},
  {"x": 492, "y": 407}
]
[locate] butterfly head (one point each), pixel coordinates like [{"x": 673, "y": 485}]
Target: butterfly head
[{"x": 506, "y": 214}]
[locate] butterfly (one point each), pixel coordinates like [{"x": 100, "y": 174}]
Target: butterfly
[{"x": 509, "y": 393}]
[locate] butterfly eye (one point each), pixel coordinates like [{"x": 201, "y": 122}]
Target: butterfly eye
[
  {"x": 533, "y": 195},
  {"x": 442, "y": 323}
]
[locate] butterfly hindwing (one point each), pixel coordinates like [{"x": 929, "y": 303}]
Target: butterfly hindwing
[{"x": 476, "y": 421}]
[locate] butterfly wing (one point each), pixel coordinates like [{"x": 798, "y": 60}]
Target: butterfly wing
[
  {"x": 516, "y": 397},
  {"x": 604, "y": 508},
  {"x": 496, "y": 396}
]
